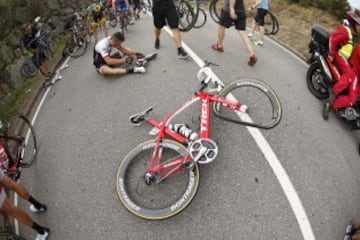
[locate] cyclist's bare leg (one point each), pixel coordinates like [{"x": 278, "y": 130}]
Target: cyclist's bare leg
[
  {"x": 262, "y": 32},
  {"x": 104, "y": 27},
  {"x": 176, "y": 37},
  {"x": 95, "y": 31},
  {"x": 106, "y": 70},
  {"x": 16, "y": 187},
  {"x": 246, "y": 41},
  {"x": 8, "y": 183},
  {"x": 8, "y": 209},
  {"x": 253, "y": 26},
  {"x": 221, "y": 36}
]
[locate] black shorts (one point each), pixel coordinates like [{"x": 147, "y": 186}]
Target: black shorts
[
  {"x": 260, "y": 16},
  {"x": 41, "y": 58},
  {"x": 163, "y": 14},
  {"x": 227, "y": 21},
  {"x": 98, "y": 60}
]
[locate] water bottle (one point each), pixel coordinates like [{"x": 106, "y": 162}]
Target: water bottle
[
  {"x": 184, "y": 130},
  {"x": 4, "y": 160}
]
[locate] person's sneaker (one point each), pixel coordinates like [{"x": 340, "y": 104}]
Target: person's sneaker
[
  {"x": 326, "y": 109},
  {"x": 252, "y": 60},
  {"x": 139, "y": 70},
  {"x": 157, "y": 43},
  {"x": 131, "y": 22},
  {"x": 33, "y": 209},
  {"x": 216, "y": 47},
  {"x": 182, "y": 54},
  {"x": 250, "y": 35},
  {"x": 43, "y": 236},
  {"x": 259, "y": 43},
  {"x": 347, "y": 237},
  {"x": 349, "y": 229}
]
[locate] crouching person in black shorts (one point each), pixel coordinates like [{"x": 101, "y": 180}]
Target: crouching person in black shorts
[
  {"x": 164, "y": 11},
  {"x": 10, "y": 210},
  {"x": 106, "y": 64}
]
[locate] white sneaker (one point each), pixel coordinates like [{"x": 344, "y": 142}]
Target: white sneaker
[
  {"x": 250, "y": 35},
  {"x": 33, "y": 209},
  {"x": 42, "y": 236},
  {"x": 139, "y": 70},
  {"x": 259, "y": 43}
]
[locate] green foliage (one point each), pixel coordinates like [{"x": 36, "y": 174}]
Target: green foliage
[{"x": 336, "y": 7}]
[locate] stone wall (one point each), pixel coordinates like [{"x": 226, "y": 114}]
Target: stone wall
[{"x": 13, "y": 14}]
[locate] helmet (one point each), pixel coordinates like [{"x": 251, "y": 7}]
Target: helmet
[
  {"x": 353, "y": 19},
  {"x": 97, "y": 8}
]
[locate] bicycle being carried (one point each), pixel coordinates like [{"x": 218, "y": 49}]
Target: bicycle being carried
[
  {"x": 18, "y": 140},
  {"x": 159, "y": 178}
]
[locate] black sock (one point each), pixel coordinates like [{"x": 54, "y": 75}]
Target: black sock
[
  {"x": 130, "y": 70},
  {"x": 38, "y": 228},
  {"x": 179, "y": 49},
  {"x": 36, "y": 203}
]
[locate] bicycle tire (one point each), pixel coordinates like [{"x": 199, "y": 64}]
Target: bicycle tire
[
  {"x": 141, "y": 199},
  {"x": 215, "y": 7},
  {"x": 28, "y": 68},
  {"x": 185, "y": 13},
  {"x": 10, "y": 236},
  {"x": 19, "y": 125},
  {"x": 276, "y": 24},
  {"x": 76, "y": 45},
  {"x": 264, "y": 107},
  {"x": 201, "y": 19}
]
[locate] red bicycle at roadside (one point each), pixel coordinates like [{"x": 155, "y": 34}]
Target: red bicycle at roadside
[
  {"x": 18, "y": 141},
  {"x": 159, "y": 178}
]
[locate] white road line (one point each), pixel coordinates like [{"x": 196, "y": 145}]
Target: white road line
[
  {"x": 16, "y": 223},
  {"x": 279, "y": 171}
]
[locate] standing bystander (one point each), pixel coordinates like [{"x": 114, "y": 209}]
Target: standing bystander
[
  {"x": 165, "y": 11},
  {"x": 259, "y": 20},
  {"x": 234, "y": 12}
]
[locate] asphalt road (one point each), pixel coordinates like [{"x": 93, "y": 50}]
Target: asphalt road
[{"x": 83, "y": 133}]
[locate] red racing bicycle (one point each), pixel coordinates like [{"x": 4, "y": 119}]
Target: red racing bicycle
[{"x": 160, "y": 177}]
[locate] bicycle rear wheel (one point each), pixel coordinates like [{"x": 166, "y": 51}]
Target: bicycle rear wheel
[
  {"x": 264, "y": 107},
  {"x": 76, "y": 45},
  {"x": 186, "y": 15},
  {"x": 215, "y": 10},
  {"x": 10, "y": 236},
  {"x": 157, "y": 200},
  {"x": 20, "y": 126},
  {"x": 201, "y": 18},
  {"x": 28, "y": 68}
]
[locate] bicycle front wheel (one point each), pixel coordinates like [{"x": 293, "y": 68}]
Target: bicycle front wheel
[
  {"x": 20, "y": 126},
  {"x": 10, "y": 236},
  {"x": 264, "y": 108},
  {"x": 159, "y": 199}
]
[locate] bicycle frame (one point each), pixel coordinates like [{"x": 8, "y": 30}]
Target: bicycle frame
[
  {"x": 206, "y": 99},
  {"x": 14, "y": 167}
]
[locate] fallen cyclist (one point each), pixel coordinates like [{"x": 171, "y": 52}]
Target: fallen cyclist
[{"x": 123, "y": 62}]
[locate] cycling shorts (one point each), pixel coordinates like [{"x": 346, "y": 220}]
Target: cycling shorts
[
  {"x": 165, "y": 14},
  {"x": 98, "y": 19},
  {"x": 122, "y": 7},
  {"x": 260, "y": 16},
  {"x": 227, "y": 21}
]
